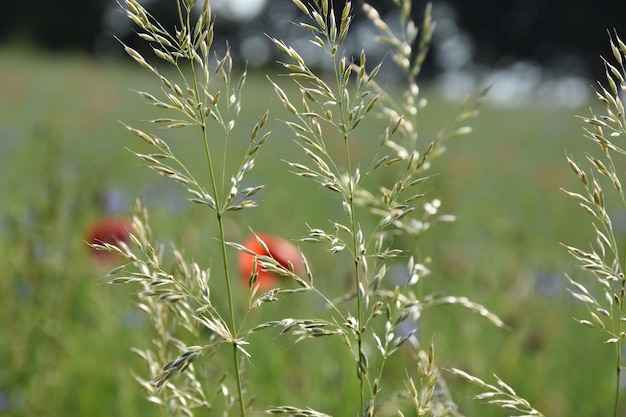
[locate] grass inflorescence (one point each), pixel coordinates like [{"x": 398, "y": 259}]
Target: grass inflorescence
[
  {"x": 600, "y": 178},
  {"x": 370, "y": 319},
  {"x": 205, "y": 330}
]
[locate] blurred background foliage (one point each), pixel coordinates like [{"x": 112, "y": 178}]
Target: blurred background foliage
[{"x": 66, "y": 336}]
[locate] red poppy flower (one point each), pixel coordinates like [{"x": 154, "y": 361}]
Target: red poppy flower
[
  {"x": 283, "y": 251},
  {"x": 110, "y": 230}
]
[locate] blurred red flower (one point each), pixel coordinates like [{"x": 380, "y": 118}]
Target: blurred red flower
[
  {"x": 280, "y": 249},
  {"x": 108, "y": 230}
]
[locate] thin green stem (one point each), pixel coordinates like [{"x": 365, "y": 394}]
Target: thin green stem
[
  {"x": 219, "y": 212},
  {"x": 357, "y": 273},
  {"x": 617, "y": 379},
  {"x": 354, "y": 228},
  {"x": 219, "y": 216},
  {"x": 618, "y": 359},
  {"x": 233, "y": 322},
  {"x": 618, "y": 349},
  {"x": 379, "y": 377},
  {"x": 618, "y": 332}
]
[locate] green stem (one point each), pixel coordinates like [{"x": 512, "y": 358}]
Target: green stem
[
  {"x": 219, "y": 212},
  {"x": 618, "y": 352},
  {"x": 233, "y": 322},
  {"x": 618, "y": 357},
  {"x": 357, "y": 272},
  {"x": 618, "y": 345},
  {"x": 617, "y": 381}
]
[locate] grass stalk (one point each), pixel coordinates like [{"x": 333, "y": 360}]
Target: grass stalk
[
  {"x": 381, "y": 308},
  {"x": 618, "y": 352},
  {"x": 618, "y": 356},
  {"x": 361, "y": 367},
  {"x": 219, "y": 214},
  {"x": 605, "y": 259}
]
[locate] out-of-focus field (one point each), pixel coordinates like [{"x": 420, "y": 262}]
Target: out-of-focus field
[{"x": 65, "y": 336}]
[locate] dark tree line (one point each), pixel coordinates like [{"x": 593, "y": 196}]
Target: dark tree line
[
  {"x": 57, "y": 25},
  {"x": 563, "y": 35}
]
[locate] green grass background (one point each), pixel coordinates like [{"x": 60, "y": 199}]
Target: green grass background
[{"x": 65, "y": 335}]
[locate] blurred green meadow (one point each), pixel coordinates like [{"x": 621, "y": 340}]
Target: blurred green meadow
[{"x": 65, "y": 335}]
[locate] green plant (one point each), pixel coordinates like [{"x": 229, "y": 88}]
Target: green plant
[
  {"x": 605, "y": 258},
  {"x": 383, "y": 209},
  {"x": 603, "y": 193}
]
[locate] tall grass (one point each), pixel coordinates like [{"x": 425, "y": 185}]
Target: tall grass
[
  {"x": 376, "y": 317},
  {"x": 604, "y": 258},
  {"x": 68, "y": 335},
  {"x": 600, "y": 177}
]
